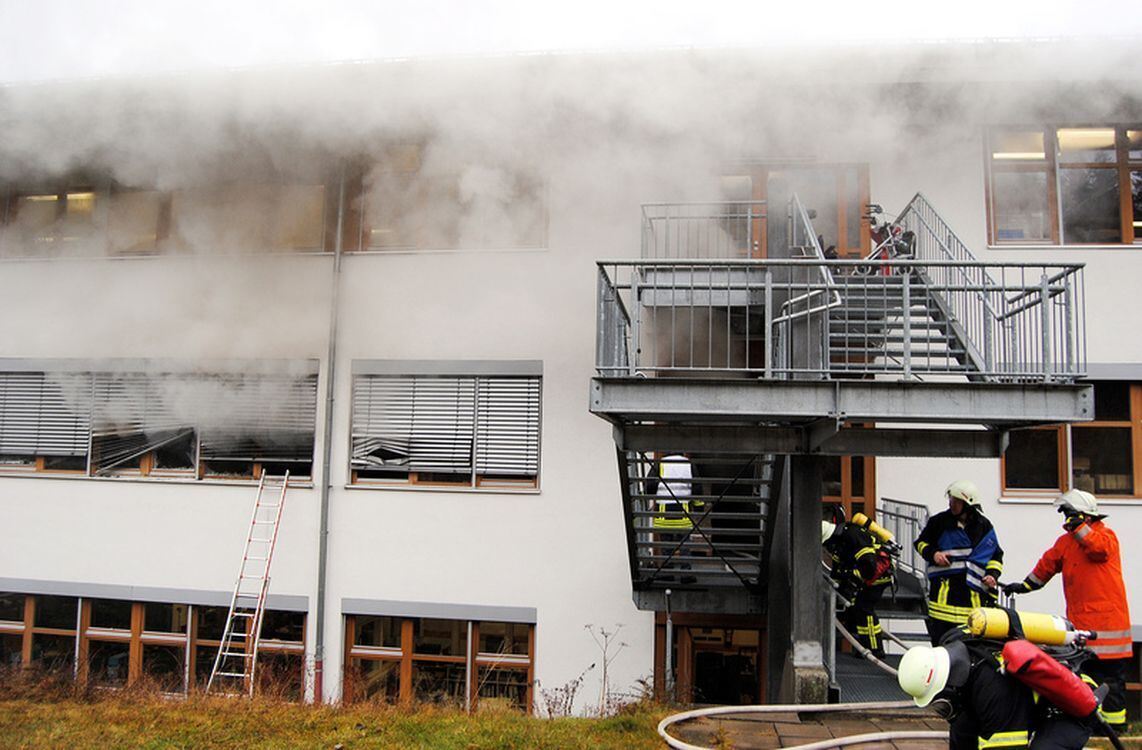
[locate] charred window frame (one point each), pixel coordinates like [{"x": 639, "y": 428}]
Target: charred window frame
[
  {"x": 1064, "y": 185},
  {"x": 446, "y": 424},
  {"x": 407, "y": 660},
  {"x": 158, "y": 425},
  {"x": 1103, "y": 456}
]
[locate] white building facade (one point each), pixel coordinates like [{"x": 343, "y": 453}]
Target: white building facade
[{"x": 382, "y": 278}]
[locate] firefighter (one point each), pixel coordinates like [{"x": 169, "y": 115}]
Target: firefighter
[
  {"x": 862, "y": 568},
  {"x": 674, "y": 512},
  {"x": 963, "y": 682},
  {"x": 1087, "y": 555},
  {"x": 964, "y": 560}
]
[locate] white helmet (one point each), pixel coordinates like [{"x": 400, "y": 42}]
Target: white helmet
[
  {"x": 923, "y": 672},
  {"x": 827, "y": 531},
  {"x": 1078, "y": 501},
  {"x": 964, "y": 489}
]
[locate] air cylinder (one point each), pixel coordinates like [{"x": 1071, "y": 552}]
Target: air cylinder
[
  {"x": 872, "y": 527},
  {"x": 1046, "y": 630}
]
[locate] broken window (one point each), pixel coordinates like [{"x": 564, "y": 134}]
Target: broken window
[
  {"x": 253, "y": 217},
  {"x": 158, "y": 424},
  {"x": 446, "y": 429}
]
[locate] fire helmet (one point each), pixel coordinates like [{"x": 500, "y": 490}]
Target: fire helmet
[
  {"x": 964, "y": 489},
  {"x": 1077, "y": 501},
  {"x": 827, "y": 531}
]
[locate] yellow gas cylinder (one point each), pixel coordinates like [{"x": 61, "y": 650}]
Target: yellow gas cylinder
[
  {"x": 1046, "y": 630},
  {"x": 866, "y": 523}
]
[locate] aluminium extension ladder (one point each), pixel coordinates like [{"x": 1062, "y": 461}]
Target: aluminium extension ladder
[{"x": 237, "y": 657}]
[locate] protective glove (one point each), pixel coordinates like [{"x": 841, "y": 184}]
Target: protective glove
[
  {"x": 1073, "y": 522},
  {"x": 1014, "y": 588}
]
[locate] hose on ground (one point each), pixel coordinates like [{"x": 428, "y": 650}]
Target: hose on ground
[
  {"x": 697, "y": 713},
  {"x": 862, "y": 650}
]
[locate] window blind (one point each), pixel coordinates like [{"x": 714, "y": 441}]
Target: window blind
[
  {"x": 415, "y": 424},
  {"x": 44, "y": 414},
  {"x": 507, "y": 426},
  {"x": 456, "y": 425},
  {"x": 258, "y": 417}
]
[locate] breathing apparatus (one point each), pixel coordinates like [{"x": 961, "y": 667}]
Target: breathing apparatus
[
  {"x": 883, "y": 535},
  {"x": 1046, "y": 630}
]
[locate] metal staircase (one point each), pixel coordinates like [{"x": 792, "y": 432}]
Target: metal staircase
[
  {"x": 898, "y": 318},
  {"x": 723, "y": 535},
  {"x": 739, "y": 361},
  {"x": 237, "y": 658}
]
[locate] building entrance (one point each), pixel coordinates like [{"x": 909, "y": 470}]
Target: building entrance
[{"x": 716, "y": 659}]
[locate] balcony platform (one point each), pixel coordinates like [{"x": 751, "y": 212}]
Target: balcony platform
[{"x": 908, "y": 418}]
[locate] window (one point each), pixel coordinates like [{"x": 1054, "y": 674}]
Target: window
[
  {"x": 849, "y": 482},
  {"x": 123, "y": 643},
  {"x": 1103, "y": 456},
  {"x": 446, "y": 429},
  {"x": 1066, "y": 185},
  {"x": 434, "y": 660},
  {"x": 107, "y": 218},
  {"x": 411, "y": 200},
  {"x": 157, "y": 424}
]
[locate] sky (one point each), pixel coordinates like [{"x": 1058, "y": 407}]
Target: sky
[{"x": 64, "y": 39}]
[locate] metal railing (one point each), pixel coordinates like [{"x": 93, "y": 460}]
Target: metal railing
[
  {"x": 941, "y": 313},
  {"x": 717, "y": 318},
  {"x": 1030, "y": 320},
  {"x": 723, "y": 229},
  {"x": 905, "y": 520}
]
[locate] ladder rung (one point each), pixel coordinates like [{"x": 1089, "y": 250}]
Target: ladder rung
[
  {"x": 257, "y": 559},
  {"x": 242, "y": 675}
]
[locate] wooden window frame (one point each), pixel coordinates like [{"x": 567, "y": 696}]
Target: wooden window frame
[
  {"x": 1053, "y": 169},
  {"x": 1064, "y": 468},
  {"x": 406, "y": 657},
  {"x": 849, "y": 494}
]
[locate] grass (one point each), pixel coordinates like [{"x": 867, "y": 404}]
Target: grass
[{"x": 62, "y": 717}]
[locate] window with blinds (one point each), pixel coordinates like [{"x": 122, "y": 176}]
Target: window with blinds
[
  {"x": 473, "y": 430},
  {"x": 158, "y": 424}
]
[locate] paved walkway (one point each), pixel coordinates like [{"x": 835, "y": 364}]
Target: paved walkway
[{"x": 766, "y": 731}]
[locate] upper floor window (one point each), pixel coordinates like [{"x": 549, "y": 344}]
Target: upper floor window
[
  {"x": 409, "y": 200},
  {"x": 156, "y": 424},
  {"x": 82, "y": 218},
  {"x": 461, "y": 424},
  {"x": 1065, "y": 185}
]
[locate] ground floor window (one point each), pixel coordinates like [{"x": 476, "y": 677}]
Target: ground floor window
[
  {"x": 118, "y": 643},
  {"x": 433, "y": 660},
  {"x": 1103, "y": 456}
]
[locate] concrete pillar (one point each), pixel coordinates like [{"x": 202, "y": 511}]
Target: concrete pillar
[{"x": 803, "y": 677}]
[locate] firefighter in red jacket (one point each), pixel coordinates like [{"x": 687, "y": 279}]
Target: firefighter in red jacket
[{"x": 1087, "y": 556}]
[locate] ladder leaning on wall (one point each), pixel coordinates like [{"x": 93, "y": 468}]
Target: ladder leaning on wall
[{"x": 233, "y": 671}]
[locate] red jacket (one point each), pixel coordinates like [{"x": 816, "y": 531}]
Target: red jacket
[{"x": 1089, "y": 560}]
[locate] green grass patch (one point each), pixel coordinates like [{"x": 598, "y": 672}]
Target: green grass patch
[{"x": 127, "y": 720}]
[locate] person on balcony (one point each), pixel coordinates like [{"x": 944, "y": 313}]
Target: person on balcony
[
  {"x": 964, "y": 560},
  {"x": 862, "y": 569},
  {"x": 1087, "y": 554}
]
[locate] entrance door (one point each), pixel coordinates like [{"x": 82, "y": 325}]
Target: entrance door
[
  {"x": 717, "y": 659},
  {"x": 837, "y": 193}
]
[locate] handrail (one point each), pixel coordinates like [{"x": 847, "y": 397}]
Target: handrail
[{"x": 971, "y": 259}]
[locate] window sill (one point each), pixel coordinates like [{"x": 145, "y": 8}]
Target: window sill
[
  {"x": 1069, "y": 248},
  {"x": 307, "y": 484},
  {"x": 1049, "y": 499},
  {"x": 440, "y": 251},
  {"x": 445, "y": 489}
]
